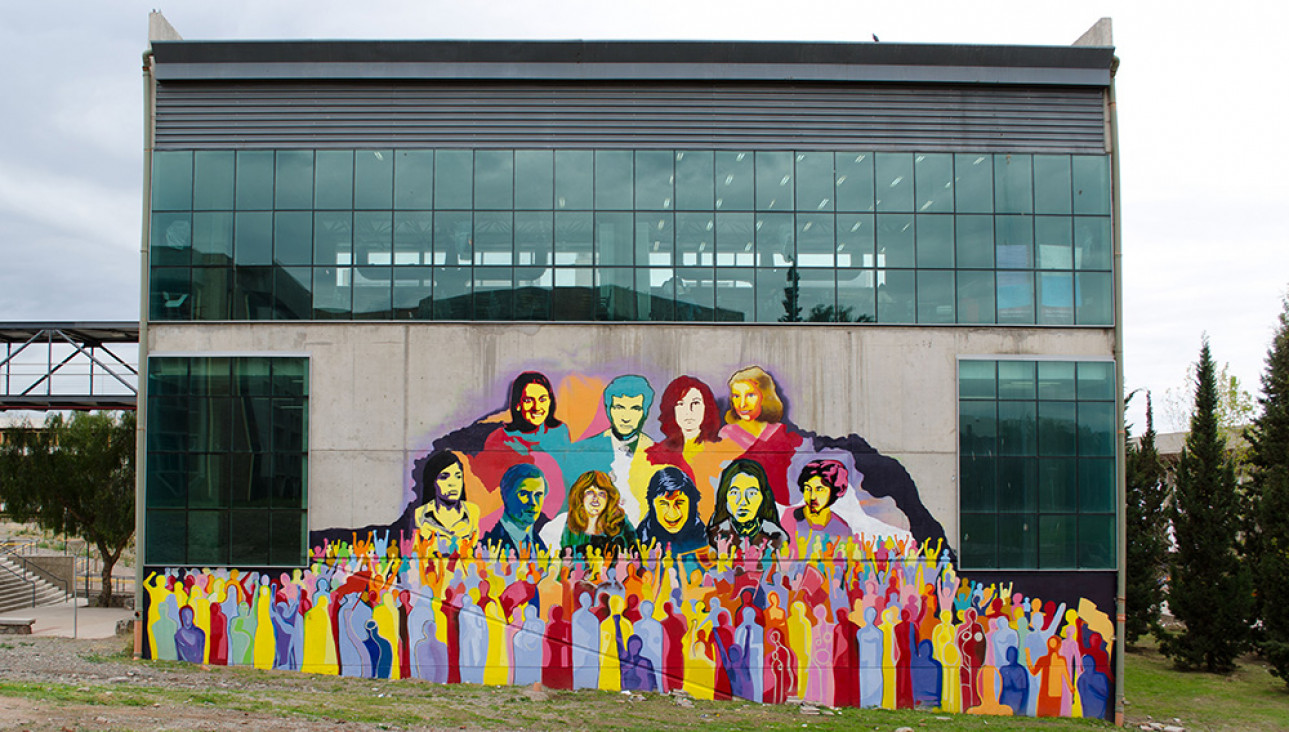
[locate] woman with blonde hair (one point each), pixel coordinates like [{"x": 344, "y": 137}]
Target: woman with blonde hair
[
  {"x": 754, "y": 423},
  {"x": 595, "y": 517}
]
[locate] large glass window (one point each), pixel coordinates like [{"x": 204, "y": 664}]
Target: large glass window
[
  {"x": 227, "y": 461},
  {"x": 1036, "y": 464},
  {"x": 680, "y": 235}
]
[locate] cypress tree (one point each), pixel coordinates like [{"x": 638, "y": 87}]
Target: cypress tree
[
  {"x": 1147, "y": 522},
  {"x": 1269, "y": 455},
  {"x": 1211, "y": 590}
]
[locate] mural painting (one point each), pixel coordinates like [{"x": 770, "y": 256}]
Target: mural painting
[{"x": 729, "y": 554}]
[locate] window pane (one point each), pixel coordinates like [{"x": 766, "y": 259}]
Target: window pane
[
  {"x": 293, "y": 238},
  {"x": 1056, "y": 298},
  {"x": 374, "y": 179},
  {"x": 208, "y": 480},
  {"x": 1094, "y": 298},
  {"x": 287, "y": 538},
  {"x": 1056, "y": 380},
  {"x": 1017, "y": 541},
  {"x": 617, "y": 297},
  {"x": 1096, "y": 428},
  {"x": 979, "y": 492},
  {"x": 974, "y": 178},
  {"x": 453, "y": 293},
  {"x": 857, "y": 295},
  {"x": 976, "y": 297},
  {"x": 816, "y": 241},
  {"x": 167, "y": 537},
  {"x": 574, "y": 298},
  {"x": 574, "y": 174},
  {"x": 734, "y": 181},
  {"x": 412, "y": 289},
  {"x": 254, "y": 179},
  {"x": 934, "y": 183},
  {"x": 331, "y": 293},
  {"x": 413, "y": 237},
  {"x": 535, "y": 170},
  {"x": 614, "y": 239},
  {"x": 532, "y": 293},
  {"x": 814, "y": 181},
  {"x": 414, "y": 179},
  {"x": 373, "y": 238},
  {"x": 211, "y": 289},
  {"x": 777, "y": 299},
  {"x": 695, "y": 180},
  {"x": 1057, "y": 485},
  {"x": 1091, "y": 184},
  {"x": 171, "y": 239},
  {"x": 252, "y": 297},
  {"x": 171, "y": 181},
  {"x": 1013, "y": 184},
  {"x": 774, "y": 186},
  {"x": 1057, "y": 542},
  {"x": 695, "y": 235},
  {"x": 453, "y": 179},
  {"x": 1016, "y": 380},
  {"x": 334, "y": 181},
  {"x": 974, "y": 241},
  {"x": 894, "y": 182},
  {"x": 1017, "y": 482},
  {"x": 1053, "y": 240},
  {"x": 372, "y": 293},
  {"x": 854, "y": 185},
  {"x": 979, "y": 540},
  {"x": 1097, "y": 485},
  {"x": 574, "y": 235},
  {"x": 895, "y": 302},
  {"x": 493, "y": 293},
  {"x": 252, "y": 479},
  {"x": 250, "y": 538},
  {"x": 655, "y": 239},
  {"x": 1057, "y": 428},
  {"x": 818, "y": 296},
  {"x": 775, "y": 240},
  {"x": 494, "y": 238},
  {"x": 734, "y": 295},
  {"x": 1096, "y": 380},
  {"x": 213, "y": 180},
  {"x": 653, "y": 180},
  {"x": 494, "y": 179},
  {"x": 1096, "y": 542},
  {"x": 895, "y": 236},
  {"x": 1092, "y": 242},
  {"x": 936, "y": 296},
  {"x": 253, "y": 238},
  {"x": 294, "y": 179},
  {"x": 613, "y": 180},
  {"x": 291, "y": 377},
  {"x": 290, "y": 480},
  {"x": 935, "y": 241},
  {"x": 977, "y": 422},
  {"x": 855, "y": 236},
  {"x": 1017, "y": 427},
  {"x": 166, "y": 483},
  {"x": 333, "y": 238},
  {"x": 1015, "y": 241},
  {"x": 292, "y": 293},
  {"x": 977, "y": 380},
  {"x": 1052, "y": 184},
  {"x": 1015, "y": 298},
  {"x": 736, "y": 240},
  {"x": 207, "y": 537},
  {"x": 534, "y": 238},
  {"x": 212, "y": 238}
]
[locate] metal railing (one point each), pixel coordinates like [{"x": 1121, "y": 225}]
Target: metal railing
[{"x": 21, "y": 578}]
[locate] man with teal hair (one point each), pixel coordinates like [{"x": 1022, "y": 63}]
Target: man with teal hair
[{"x": 619, "y": 450}]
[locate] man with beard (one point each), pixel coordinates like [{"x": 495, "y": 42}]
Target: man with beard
[
  {"x": 619, "y": 450},
  {"x": 673, "y": 520}
]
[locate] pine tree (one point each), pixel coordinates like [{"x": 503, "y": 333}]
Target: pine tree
[
  {"x": 1211, "y": 590},
  {"x": 1147, "y": 532},
  {"x": 1269, "y": 455}
]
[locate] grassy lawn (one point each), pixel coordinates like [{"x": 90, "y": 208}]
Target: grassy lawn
[{"x": 1249, "y": 699}]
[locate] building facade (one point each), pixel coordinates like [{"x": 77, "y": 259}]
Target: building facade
[{"x": 759, "y": 370}]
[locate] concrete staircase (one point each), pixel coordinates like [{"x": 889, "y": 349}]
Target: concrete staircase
[{"x": 18, "y": 587}]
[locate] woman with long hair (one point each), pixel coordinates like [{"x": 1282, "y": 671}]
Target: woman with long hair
[
  {"x": 444, "y": 510},
  {"x": 691, "y": 422},
  {"x": 595, "y": 517},
  {"x": 533, "y": 435},
  {"x": 754, "y": 422},
  {"x": 745, "y": 509}
]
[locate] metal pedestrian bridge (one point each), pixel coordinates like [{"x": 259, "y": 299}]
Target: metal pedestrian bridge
[{"x": 53, "y": 366}]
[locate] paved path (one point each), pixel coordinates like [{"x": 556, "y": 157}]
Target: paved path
[{"x": 85, "y": 622}]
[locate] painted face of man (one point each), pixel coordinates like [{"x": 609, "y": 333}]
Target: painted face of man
[
  {"x": 535, "y": 404},
  {"x": 626, "y": 415},
  {"x": 744, "y": 498},
  {"x": 689, "y": 413},
  {"x": 526, "y": 505},
  {"x": 594, "y": 501},
  {"x": 745, "y": 398},
  {"x": 450, "y": 483},
  {"x": 817, "y": 494},
  {"x": 672, "y": 510}
]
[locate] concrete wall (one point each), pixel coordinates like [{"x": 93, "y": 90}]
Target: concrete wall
[{"x": 380, "y": 392}]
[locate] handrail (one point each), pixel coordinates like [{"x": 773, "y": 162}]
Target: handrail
[
  {"x": 28, "y": 580},
  {"x": 37, "y": 572}
]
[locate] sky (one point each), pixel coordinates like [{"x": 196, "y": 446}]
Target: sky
[{"x": 1204, "y": 190}]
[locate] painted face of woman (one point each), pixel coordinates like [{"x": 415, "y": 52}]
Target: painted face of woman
[{"x": 689, "y": 413}]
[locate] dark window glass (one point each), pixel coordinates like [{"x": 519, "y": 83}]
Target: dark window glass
[
  {"x": 1095, "y": 380},
  {"x": 1057, "y": 428},
  {"x": 1057, "y": 485},
  {"x": 453, "y": 237},
  {"x": 254, "y": 180},
  {"x": 1096, "y": 542},
  {"x": 253, "y": 238},
  {"x": 734, "y": 299},
  {"x": 413, "y": 237},
  {"x": 334, "y": 179},
  {"x": 414, "y": 179},
  {"x": 249, "y": 546},
  {"x": 493, "y": 293},
  {"x": 977, "y": 380},
  {"x": 208, "y": 538},
  {"x": 292, "y": 293},
  {"x": 1097, "y": 485},
  {"x": 979, "y": 540},
  {"x": 1018, "y": 541},
  {"x": 1017, "y": 478},
  {"x": 854, "y": 183},
  {"x": 293, "y": 181},
  {"x": 212, "y": 238},
  {"x": 172, "y": 181},
  {"x": 171, "y": 239},
  {"x": 213, "y": 180},
  {"x": 332, "y": 293},
  {"x": 293, "y": 238},
  {"x": 934, "y": 184},
  {"x": 979, "y": 483},
  {"x": 374, "y": 179},
  {"x": 1058, "y": 541},
  {"x": 453, "y": 293},
  {"x": 373, "y": 293},
  {"x": 695, "y": 180}
]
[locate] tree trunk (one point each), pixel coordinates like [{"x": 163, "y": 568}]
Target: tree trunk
[{"x": 105, "y": 593}]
